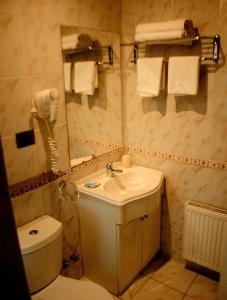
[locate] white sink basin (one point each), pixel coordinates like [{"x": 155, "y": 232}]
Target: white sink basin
[{"x": 131, "y": 184}]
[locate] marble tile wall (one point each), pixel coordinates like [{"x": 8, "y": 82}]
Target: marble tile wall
[
  {"x": 31, "y": 60},
  {"x": 193, "y": 127}
]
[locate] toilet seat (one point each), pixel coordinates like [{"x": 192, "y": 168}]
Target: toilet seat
[{"x": 64, "y": 288}]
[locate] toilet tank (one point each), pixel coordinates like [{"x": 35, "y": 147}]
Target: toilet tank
[{"x": 41, "y": 248}]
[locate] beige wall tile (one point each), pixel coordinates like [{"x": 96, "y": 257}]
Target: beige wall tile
[
  {"x": 19, "y": 162},
  {"x": 223, "y": 32},
  {"x": 198, "y": 10},
  {"x": 128, "y": 6},
  {"x": 94, "y": 14},
  {"x": 222, "y": 8},
  {"x": 176, "y": 213},
  {"x": 220, "y": 83},
  {"x": 176, "y": 245},
  {"x": 43, "y": 10},
  {"x": 194, "y": 135},
  {"x": 71, "y": 232},
  {"x": 27, "y": 207},
  {"x": 51, "y": 201},
  {"x": 13, "y": 7},
  {"x": 148, "y": 10},
  {"x": 153, "y": 11},
  {"x": 43, "y": 48},
  {"x": 208, "y": 26},
  {"x": 14, "y": 106},
  {"x": 128, "y": 26},
  {"x": 12, "y": 53}
]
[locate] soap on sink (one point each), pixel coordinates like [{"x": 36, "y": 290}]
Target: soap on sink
[{"x": 91, "y": 184}]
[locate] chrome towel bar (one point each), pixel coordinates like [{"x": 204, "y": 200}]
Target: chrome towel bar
[{"x": 210, "y": 46}]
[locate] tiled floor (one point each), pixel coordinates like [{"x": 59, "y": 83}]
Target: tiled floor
[{"x": 170, "y": 281}]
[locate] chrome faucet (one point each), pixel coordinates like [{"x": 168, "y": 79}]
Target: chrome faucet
[{"x": 110, "y": 170}]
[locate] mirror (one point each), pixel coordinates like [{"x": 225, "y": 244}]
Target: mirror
[{"x": 92, "y": 78}]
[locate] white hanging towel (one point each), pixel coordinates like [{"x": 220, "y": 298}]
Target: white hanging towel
[
  {"x": 149, "y": 76},
  {"x": 183, "y": 75},
  {"x": 67, "y": 76},
  {"x": 85, "y": 77},
  {"x": 96, "y": 83}
]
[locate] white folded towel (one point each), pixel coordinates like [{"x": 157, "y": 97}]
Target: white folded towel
[
  {"x": 69, "y": 41},
  {"x": 162, "y": 35},
  {"x": 173, "y": 25},
  {"x": 183, "y": 75},
  {"x": 67, "y": 76},
  {"x": 85, "y": 77},
  {"x": 149, "y": 76},
  {"x": 96, "y": 82},
  {"x": 69, "y": 45}
]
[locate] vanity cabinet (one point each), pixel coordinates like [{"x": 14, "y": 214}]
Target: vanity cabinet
[
  {"x": 129, "y": 251},
  {"x": 151, "y": 235},
  {"x": 137, "y": 242},
  {"x": 118, "y": 241}
]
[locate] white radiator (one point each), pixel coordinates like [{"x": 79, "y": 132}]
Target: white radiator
[{"x": 204, "y": 229}]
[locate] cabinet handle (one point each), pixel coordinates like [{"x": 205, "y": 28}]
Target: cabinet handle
[
  {"x": 145, "y": 216},
  {"x": 142, "y": 218}
]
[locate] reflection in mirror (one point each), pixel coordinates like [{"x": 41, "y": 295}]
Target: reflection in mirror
[{"x": 91, "y": 61}]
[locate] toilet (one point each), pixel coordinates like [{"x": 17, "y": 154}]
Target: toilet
[{"x": 41, "y": 247}]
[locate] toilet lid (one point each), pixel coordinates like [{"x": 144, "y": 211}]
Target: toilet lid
[{"x": 64, "y": 288}]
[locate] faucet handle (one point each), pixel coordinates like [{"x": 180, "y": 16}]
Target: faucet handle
[
  {"x": 115, "y": 162},
  {"x": 109, "y": 166},
  {"x": 110, "y": 170}
]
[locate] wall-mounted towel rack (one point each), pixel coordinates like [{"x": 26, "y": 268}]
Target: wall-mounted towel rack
[
  {"x": 210, "y": 46},
  {"x": 102, "y": 54}
]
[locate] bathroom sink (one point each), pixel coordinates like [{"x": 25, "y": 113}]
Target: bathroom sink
[
  {"x": 119, "y": 222},
  {"x": 136, "y": 180},
  {"x": 133, "y": 183}
]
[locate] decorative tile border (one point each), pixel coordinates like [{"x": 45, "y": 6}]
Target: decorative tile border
[
  {"x": 83, "y": 141},
  {"x": 205, "y": 163},
  {"x": 38, "y": 181},
  {"x": 45, "y": 178},
  {"x": 33, "y": 183},
  {"x": 101, "y": 158}
]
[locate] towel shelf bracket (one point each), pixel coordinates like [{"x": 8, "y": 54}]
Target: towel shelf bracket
[
  {"x": 212, "y": 43},
  {"x": 100, "y": 53}
]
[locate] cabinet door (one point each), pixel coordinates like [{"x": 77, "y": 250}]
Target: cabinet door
[
  {"x": 151, "y": 235},
  {"x": 129, "y": 241}
]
